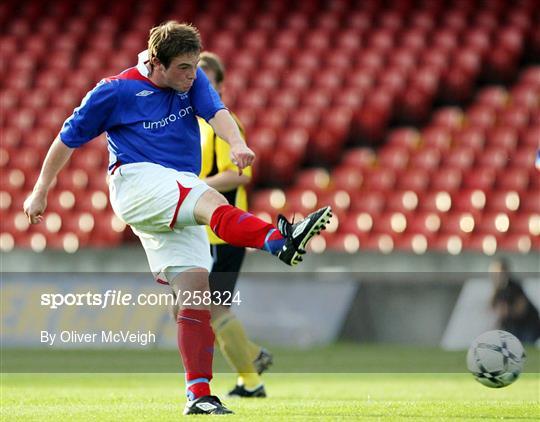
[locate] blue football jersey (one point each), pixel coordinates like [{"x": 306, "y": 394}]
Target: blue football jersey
[{"x": 144, "y": 123}]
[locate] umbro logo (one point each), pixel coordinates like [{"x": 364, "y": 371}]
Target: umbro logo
[
  {"x": 300, "y": 228},
  {"x": 144, "y": 93},
  {"x": 206, "y": 406}
]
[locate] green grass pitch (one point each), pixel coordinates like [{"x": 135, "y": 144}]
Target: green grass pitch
[{"x": 371, "y": 396}]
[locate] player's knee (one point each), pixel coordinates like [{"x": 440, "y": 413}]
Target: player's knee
[
  {"x": 193, "y": 279},
  {"x": 207, "y": 204},
  {"x": 219, "y": 311}
]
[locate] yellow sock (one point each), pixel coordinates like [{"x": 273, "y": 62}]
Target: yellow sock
[
  {"x": 254, "y": 350},
  {"x": 236, "y": 348}
]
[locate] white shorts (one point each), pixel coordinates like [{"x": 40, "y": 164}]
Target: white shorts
[{"x": 158, "y": 203}]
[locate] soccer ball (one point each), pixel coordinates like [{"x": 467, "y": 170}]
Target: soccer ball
[{"x": 496, "y": 358}]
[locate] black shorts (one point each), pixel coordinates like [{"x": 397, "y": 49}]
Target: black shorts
[{"x": 227, "y": 262}]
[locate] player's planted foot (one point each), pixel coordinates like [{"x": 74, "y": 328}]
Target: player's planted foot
[
  {"x": 298, "y": 235},
  {"x": 206, "y": 405},
  {"x": 241, "y": 391},
  {"x": 263, "y": 361}
]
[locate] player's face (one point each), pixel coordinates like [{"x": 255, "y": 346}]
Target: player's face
[{"x": 182, "y": 72}]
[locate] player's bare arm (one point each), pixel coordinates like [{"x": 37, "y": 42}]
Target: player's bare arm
[
  {"x": 56, "y": 159},
  {"x": 227, "y": 180},
  {"x": 226, "y": 128}
]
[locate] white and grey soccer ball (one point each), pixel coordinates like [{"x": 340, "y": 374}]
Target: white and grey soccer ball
[{"x": 496, "y": 358}]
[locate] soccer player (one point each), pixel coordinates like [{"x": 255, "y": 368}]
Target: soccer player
[
  {"x": 149, "y": 115},
  {"x": 248, "y": 359}
]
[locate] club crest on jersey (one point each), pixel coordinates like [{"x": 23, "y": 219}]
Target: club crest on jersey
[{"x": 144, "y": 93}]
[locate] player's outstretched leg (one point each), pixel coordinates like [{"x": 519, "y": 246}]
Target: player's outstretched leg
[{"x": 287, "y": 241}]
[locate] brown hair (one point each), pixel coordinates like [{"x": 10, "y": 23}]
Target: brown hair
[
  {"x": 211, "y": 61},
  {"x": 171, "y": 39}
]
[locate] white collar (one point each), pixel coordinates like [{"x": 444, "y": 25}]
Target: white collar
[{"x": 143, "y": 60}]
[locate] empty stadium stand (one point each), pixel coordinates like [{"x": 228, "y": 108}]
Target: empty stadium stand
[{"x": 316, "y": 83}]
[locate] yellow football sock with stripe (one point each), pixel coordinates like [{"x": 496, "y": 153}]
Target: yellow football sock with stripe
[{"x": 237, "y": 349}]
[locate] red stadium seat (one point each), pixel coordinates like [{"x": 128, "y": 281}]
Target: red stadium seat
[
  {"x": 515, "y": 243},
  {"x": 530, "y": 201},
  {"x": 371, "y": 202},
  {"x": 527, "y": 223},
  {"x": 524, "y": 96},
  {"x": 480, "y": 116},
  {"x": 294, "y": 141},
  {"x": 449, "y": 117},
  {"x": 358, "y": 223},
  {"x": 415, "y": 242},
  {"x": 427, "y": 158},
  {"x": 447, "y": 179},
  {"x": 480, "y": 178},
  {"x": 458, "y": 223},
  {"x": 340, "y": 200},
  {"x": 484, "y": 243},
  {"x": 436, "y": 137},
  {"x": 426, "y": 223},
  {"x": 344, "y": 242},
  {"x": 469, "y": 200},
  {"x": 408, "y": 138},
  {"x": 361, "y": 157},
  {"x": 496, "y": 98},
  {"x": 493, "y": 157},
  {"x": 493, "y": 223},
  {"x": 402, "y": 201},
  {"x": 503, "y": 201},
  {"x": 316, "y": 179},
  {"x": 531, "y": 137},
  {"x": 348, "y": 178},
  {"x": 413, "y": 179},
  {"x": 435, "y": 202},
  {"x": 393, "y": 157},
  {"x": 470, "y": 137},
  {"x": 523, "y": 157},
  {"x": 461, "y": 157},
  {"x": 514, "y": 116},
  {"x": 301, "y": 201},
  {"x": 503, "y": 137},
  {"x": 379, "y": 178},
  {"x": 513, "y": 179}
]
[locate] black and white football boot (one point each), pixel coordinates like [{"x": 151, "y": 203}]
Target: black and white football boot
[
  {"x": 298, "y": 235},
  {"x": 206, "y": 405},
  {"x": 241, "y": 391},
  {"x": 263, "y": 361}
]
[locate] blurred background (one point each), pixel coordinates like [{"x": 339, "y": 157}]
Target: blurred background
[{"x": 418, "y": 121}]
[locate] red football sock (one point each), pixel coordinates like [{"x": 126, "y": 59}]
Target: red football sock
[
  {"x": 240, "y": 228},
  {"x": 196, "y": 345}
]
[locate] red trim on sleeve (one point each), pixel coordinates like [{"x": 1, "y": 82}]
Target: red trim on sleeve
[{"x": 184, "y": 192}]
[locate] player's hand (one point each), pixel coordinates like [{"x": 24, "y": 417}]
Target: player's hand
[
  {"x": 34, "y": 207},
  {"x": 242, "y": 156}
]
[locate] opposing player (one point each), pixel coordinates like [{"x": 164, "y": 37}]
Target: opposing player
[
  {"x": 248, "y": 359},
  {"x": 149, "y": 115}
]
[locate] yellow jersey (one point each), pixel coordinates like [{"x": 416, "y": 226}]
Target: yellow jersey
[{"x": 216, "y": 158}]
